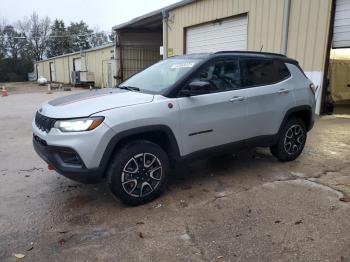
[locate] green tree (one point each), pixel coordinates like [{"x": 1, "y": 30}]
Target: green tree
[
  {"x": 98, "y": 38},
  {"x": 58, "y": 43},
  {"x": 80, "y": 35},
  {"x": 111, "y": 37},
  {"x": 14, "y": 42},
  {"x": 15, "y": 60}
]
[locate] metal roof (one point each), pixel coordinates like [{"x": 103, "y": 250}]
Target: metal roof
[
  {"x": 152, "y": 17},
  {"x": 78, "y": 52},
  {"x": 250, "y": 54}
]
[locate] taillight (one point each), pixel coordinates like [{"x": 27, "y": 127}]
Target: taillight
[{"x": 313, "y": 88}]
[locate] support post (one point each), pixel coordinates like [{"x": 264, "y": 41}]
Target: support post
[
  {"x": 165, "y": 33},
  {"x": 285, "y": 27}
]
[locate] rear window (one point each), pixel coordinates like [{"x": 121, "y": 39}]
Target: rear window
[{"x": 257, "y": 72}]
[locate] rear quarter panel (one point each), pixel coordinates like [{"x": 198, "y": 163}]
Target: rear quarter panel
[{"x": 302, "y": 93}]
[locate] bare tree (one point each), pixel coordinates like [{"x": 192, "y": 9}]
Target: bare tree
[{"x": 37, "y": 32}]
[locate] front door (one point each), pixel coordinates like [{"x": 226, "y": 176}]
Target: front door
[
  {"x": 109, "y": 75},
  {"x": 52, "y": 72},
  {"x": 218, "y": 116}
]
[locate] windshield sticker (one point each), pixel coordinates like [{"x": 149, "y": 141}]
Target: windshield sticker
[{"x": 182, "y": 65}]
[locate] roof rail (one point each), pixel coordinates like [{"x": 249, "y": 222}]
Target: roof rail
[{"x": 249, "y": 52}]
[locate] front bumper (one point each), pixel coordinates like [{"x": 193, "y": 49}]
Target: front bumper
[{"x": 77, "y": 171}]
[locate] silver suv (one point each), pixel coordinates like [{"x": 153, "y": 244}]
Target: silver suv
[{"x": 177, "y": 109}]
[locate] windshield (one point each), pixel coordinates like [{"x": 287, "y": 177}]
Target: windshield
[{"x": 160, "y": 76}]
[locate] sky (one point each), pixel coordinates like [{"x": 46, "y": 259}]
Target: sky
[{"x": 103, "y": 14}]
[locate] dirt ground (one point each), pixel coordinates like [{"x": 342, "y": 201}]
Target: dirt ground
[{"x": 243, "y": 207}]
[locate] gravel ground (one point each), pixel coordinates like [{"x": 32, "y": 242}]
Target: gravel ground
[
  {"x": 28, "y": 87},
  {"x": 242, "y": 207}
]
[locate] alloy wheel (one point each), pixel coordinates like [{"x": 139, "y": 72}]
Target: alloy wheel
[
  {"x": 141, "y": 175},
  {"x": 294, "y": 139}
]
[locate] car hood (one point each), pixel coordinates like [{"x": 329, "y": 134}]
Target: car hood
[{"x": 90, "y": 102}]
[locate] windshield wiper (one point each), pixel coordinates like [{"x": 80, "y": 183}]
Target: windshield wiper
[{"x": 130, "y": 88}]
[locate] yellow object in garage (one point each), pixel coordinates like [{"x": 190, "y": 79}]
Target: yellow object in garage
[{"x": 339, "y": 74}]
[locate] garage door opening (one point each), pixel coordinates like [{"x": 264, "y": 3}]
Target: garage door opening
[
  {"x": 337, "y": 99},
  {"x": 223, "y": 35},
  {"x": 337, "y": 93}
]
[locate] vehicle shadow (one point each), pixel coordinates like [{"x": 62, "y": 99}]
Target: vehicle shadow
[
  {"x": 210, "y": 174},
  {"x": 221, "y": 165}
]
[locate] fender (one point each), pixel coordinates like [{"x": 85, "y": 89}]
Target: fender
[
  {"x": 296, "y": 110},
  {"x": 174, "y": 151}
]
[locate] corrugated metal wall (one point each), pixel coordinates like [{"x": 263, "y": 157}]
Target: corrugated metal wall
[
  {"x": 264, "y": 21},
  {"x": 93, "y": 61},
  {"x": 308, "y": 31}
]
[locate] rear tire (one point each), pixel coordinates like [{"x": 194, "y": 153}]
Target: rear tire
[
  {"x": 291, "y": 140},
  {"x": 138, "y": 173}
]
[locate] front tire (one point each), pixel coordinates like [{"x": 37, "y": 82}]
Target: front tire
[
  {"x": 138, "y": 172},
  {"x": 291, "y": 141}
]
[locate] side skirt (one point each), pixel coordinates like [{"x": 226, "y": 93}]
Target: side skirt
[{"x": 260, "y": 141}]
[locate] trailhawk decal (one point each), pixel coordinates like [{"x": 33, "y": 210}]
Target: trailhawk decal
[{"x": 84, "y": 96}]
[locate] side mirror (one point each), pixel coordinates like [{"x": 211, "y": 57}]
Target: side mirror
[{"x": 196, "y": 88}]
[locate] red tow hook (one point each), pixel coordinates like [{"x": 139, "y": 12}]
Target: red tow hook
[{"x": 49, "y": 167}]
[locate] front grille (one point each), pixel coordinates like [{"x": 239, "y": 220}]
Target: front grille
[{"x": 44, "y": 123}]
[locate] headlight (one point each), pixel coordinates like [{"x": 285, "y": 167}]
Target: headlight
[{"x": 77, "y": 125}]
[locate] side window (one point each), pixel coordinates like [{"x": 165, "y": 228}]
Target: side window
[
  {"x": 257, "y": 72},
  {"x": 221, "y": 75}
]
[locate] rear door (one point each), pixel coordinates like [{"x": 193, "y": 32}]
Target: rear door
[
  {"x": 270, "y": 94},
  {"x": 77, "y": 64},
  {"x": 109, "y": 75},
  {"x": 217, "y": 117}
]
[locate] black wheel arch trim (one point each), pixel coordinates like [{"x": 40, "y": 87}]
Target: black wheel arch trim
[
  {"x": 296, "y": 110},
  {"x": 174, "y": 150}
]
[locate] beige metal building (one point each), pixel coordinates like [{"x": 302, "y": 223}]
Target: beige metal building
[
  {"x": 93, "y": 65},
  {"x": 301, "y": 29}
]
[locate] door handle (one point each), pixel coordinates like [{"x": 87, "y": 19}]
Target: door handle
[
  {"x": 237, "y": 99},
  {"x": 283, "y": 91}
]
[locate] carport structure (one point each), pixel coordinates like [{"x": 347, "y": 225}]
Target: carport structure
[{"x": 137, "y": 45}]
